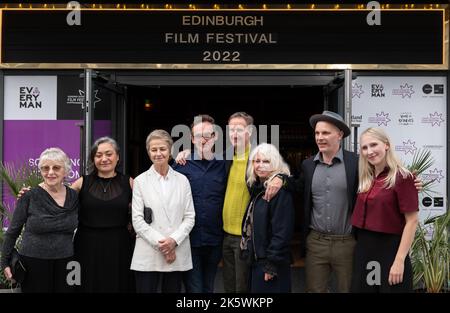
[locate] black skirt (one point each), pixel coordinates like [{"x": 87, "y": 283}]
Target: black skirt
[
  {"x": 380, "y": 249},
  {"x": 105, "y": 258}
]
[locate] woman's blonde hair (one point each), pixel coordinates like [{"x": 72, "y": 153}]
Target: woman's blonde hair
[
  {"x": 367, "y": 170},
  {"x": 271, "y": 153}
]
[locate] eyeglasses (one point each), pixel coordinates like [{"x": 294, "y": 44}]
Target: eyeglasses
[
  {"x": 206, "y": 136},
  {"x": 47, "y": 168}
]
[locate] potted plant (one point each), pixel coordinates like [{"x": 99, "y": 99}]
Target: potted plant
[
  {"x": 430, "y": 250},
  {"x": 15, "y": 177},
  {"x": 5, "y": 284},
  {"x": 430, "y": 254}
]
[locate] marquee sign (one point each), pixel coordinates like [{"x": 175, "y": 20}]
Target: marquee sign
[{"x": 223, "y": 37}]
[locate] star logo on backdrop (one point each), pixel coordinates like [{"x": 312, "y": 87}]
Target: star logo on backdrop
[
  {"x": 96, "y": 98},
  {"x": 383, "y": 118},
  {"x": 407, "y": 147},
  {"x": 357, "y": 90},
  {"x": 434, "y": 175},
  {"x": 438, "y": 174},
  {"x": 436, "y": 119},
  {"x": 404, "y": 91}
]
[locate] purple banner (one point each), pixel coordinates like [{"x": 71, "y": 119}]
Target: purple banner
[{"x": 25, "y": 140}]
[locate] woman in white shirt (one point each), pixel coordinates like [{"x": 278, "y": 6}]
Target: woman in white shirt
[{"x": 163, "y": 216}]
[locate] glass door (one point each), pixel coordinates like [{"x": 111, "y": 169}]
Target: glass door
[
  {"x": 338, "y": 98},
  {"x": 104, "y": 114}
]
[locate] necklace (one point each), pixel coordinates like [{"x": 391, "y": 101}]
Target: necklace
[{"x": 105, "y": 187}]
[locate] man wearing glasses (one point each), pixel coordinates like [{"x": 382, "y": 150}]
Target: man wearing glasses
[
  {"x": 235, "y": 193},
  {"x": 207, "y": 177}
]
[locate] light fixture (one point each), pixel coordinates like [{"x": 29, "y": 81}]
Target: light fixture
[{"x": 148, "y": 105}]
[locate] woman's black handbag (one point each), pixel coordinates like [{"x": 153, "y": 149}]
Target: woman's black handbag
[
  {"x": 148, "y": 215},
  {"x": 18, "y": 269}
]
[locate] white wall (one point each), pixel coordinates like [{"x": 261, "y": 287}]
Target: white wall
[{"x": 413, "y": 111}]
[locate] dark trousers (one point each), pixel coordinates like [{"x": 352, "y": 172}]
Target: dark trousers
[
  {"x": 204, "y": 262},
  {"x": 148, "y": 282},
  {"x": 235, "y": 270},
  {"x": 281, "y": 283},
  {"x": 381, "y": 248},
  {"x": 46, "y": 276},
  {"x": 326, "y": 254}
]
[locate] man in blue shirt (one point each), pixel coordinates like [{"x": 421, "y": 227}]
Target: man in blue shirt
[{"x": 207, "y": 177}]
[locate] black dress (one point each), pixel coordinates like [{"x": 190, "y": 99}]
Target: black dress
[{"x": 103, "y": 244}]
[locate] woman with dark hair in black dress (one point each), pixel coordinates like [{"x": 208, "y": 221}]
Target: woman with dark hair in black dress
[{"x": 103, "y": 243}]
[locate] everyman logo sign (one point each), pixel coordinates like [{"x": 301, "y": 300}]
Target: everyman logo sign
[{"x": 30, "y": 97}]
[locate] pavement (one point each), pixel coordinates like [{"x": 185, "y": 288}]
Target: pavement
[{"x": 297, "y": 276}]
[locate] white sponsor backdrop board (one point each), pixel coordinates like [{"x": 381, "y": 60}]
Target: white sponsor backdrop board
[
  {"x": 413, "y": 112},
  {"x": 30, "y": 97}
]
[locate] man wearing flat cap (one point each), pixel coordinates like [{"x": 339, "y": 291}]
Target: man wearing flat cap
[{"x": 330, "y": 183}]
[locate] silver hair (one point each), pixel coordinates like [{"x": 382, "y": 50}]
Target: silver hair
[
  {"x": 94, "y": 149},
  {"x": 270, "y": 152},
  {"x": 159, "y": 134},
  {"x": 55, "y": 154}
]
